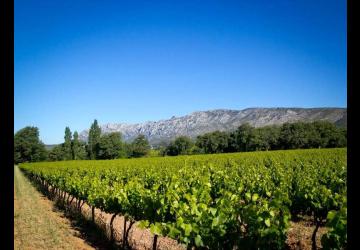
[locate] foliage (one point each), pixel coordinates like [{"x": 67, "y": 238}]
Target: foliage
[
  {"x": 93, "y": 140},
  {"x": 110, "y": 146},
  {"x": 216, "y": 201},
  {"x": 81, "y": 153},
  {"x": 154, "y": 153},
  {"x": 61, "y": 152},
  {"x": 139, "y": 147},
  {"x": 318, "y": 134},
  {"x": 215, "y": 142},
  {"x": 180, "y": 146},
  {"x": 28, "y": 147},
  {"x": 264, "y": 138},
  {"x": 336, "y": 238},
  {"x": 78, "y": 148},
  {"x": 243, "y": 136},
  {"x": 68, "y": 154},
  {"x": 56, "y": 153}
]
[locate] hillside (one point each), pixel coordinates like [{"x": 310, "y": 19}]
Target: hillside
[{"x": 201, "y": 122}]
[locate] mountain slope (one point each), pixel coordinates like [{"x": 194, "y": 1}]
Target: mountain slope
[{"x": 202, "y": 122}]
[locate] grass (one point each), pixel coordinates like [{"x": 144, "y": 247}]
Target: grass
[{"x": 37, "y": 224}]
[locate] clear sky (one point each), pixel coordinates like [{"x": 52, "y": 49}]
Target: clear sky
[{"x": 135, "y": 61}]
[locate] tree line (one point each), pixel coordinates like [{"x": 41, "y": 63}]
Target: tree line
[
  {"x": 29, "y": 148},
  {"x": 318, "y": 134},
  {"x": 298, "y": 135}
]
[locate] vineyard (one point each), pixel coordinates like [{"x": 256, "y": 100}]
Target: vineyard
[{"x": 219, "y": 201}]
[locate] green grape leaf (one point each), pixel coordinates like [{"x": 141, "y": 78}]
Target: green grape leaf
[
  {"x": 156, "y": 228},
  {"x": 198, "y": 241},
  {"x": 213, "y": 211},
  {"x": 255, "y": 197},
  {"x": 267, "y": 222}
]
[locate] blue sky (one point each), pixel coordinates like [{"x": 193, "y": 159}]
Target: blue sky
[{"x": 135, "y": 61}]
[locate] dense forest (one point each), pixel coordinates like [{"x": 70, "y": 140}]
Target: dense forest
[{"x": 299, "y": 135}]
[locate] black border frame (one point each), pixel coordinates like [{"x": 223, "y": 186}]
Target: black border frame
[{"x": 7, "y": 125}]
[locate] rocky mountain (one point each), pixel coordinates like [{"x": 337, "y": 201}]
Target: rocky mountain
[{"x": 202, "y": 122}]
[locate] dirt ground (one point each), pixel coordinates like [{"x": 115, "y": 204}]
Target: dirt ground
[
  {"x": 38, "y": 224},
  {"x": 299, "y": 235}
]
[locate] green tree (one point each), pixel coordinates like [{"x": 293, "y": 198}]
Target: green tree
[
  {"x": 232, "y": 143},
  {"x": 243, "y": 137},
  {"x": 180, "y": 146},
  {"x": 295, "y": 135},
  {"x": 264, "y": 138},
  {"x": 161, "y": 147},
  {"x": 75, "y": 146},
  {"x": 343, "y": 141},
  {"x": 318, "y": 134},
  {"x": 93, "y": 141},
  {"x": 329, "y": 135},
  {"x": 140, "y": 146},
  {"x": 214, "y": 142},
  {"x": 128, "y": 149},
  {"x": 67, "y": 144},
  {"x": 195, "y": 150},
  {"x": 28, "y": 147},
  {"x": 202, "y": 143},
  {"x": 57, "y": 153},
  {"x": 82, "y": 153},
  {"x": 272, "y": 136},
  {"x": 257, "y": 141},
  {"x": 111, "y": 146},
  {"x": 78, "y": 148}
]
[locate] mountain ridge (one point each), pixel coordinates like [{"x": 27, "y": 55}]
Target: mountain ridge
[{"x": 200, "y": 122}]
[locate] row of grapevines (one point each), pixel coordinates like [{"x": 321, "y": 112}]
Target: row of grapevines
[{"x": 215, "y": 201}]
